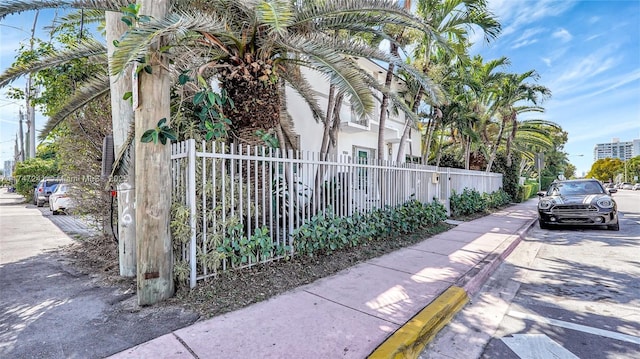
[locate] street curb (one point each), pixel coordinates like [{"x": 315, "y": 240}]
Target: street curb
[
  {"x": 409, "y": 340},
  {"x": 473, "y": 280}
]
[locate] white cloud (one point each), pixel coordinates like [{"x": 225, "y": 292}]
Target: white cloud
[
  {"x": 523, "y": 43},
  {"x": 546, "y": 60},
  {"x": 563, "y": 35},
  {"x": 580, "y": 73},
  {"x": 604, "y": 132},
  {"x": 519, "y": 13}
]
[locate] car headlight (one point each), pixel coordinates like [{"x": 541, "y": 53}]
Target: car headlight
[
  {"x": 545, "y": 204},
  {"x": 604, "y": 203}
]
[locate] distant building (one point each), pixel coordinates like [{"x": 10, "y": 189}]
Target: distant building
[
  {"x": 617, "y": 149},
  {"x": 8, "y": 169}
]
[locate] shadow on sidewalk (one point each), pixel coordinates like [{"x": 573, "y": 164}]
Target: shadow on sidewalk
[{"x": 48, "y": 309}]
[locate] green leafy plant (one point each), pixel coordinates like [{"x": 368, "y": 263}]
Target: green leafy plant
[
  {"x": 268, "y": 138},
  {"x": 325, "y": 232},
  {"x": 209, "y": 107},
  {"x": 468, "y": 202},
  {"x": 161, "y": 133}
]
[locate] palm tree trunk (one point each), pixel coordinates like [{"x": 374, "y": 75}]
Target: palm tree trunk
[
  {"x": 494, "y": 149},
  {"x": 407, "y": 126},
  {"x": 327, "y": 123},
  {"x": 467, "y": 152},
  {"x": 385, "y": 104},
  {"x": 512, "y": 136}
]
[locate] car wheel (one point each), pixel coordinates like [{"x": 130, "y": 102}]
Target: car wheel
[
  {"x": 55, "y": 212},
  {"x": 543, "y": 225},
  {"x": 614, "y": 227}
]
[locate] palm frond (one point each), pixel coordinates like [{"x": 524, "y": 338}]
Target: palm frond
[
  {"x": 77, "y": 18},
  {"x": 88, "y": 48},
  {"x": 124, "y": 158},
  {"x": 174, "y": 29},
  {"x": 10, "y": 7},
  {"x": 342, "y": 72},
  {"x": 301, "y": 85},
  {"x": 375, "y": 13},
  {"x": 96, "y": 87},
  {"x": 277, "y": 14}
]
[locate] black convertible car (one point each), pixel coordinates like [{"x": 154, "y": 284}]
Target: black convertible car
[{"x": 577, "y": 202}]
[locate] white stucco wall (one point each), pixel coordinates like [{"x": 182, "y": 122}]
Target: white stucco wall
[{"x": 350, "y": 134}]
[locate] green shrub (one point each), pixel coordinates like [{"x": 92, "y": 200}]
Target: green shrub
[
  {"x": 497, "y": 199},
  {"x": 468, "y": 202},
  {"x": 527, "y": 191},
  {"x": 325, "y": 233},
  {"x": 30, "y": 172}
]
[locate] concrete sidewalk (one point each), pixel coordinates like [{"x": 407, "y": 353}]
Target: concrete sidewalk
[{"x": 390, "y": 306}]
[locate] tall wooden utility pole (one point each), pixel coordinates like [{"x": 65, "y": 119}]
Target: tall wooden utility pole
[
  {"x": 21, "y": 132},
  {"x": 31, "y": 111},
  {"x": 121, "y": 121},
  {"x": 153, "y": 174}
]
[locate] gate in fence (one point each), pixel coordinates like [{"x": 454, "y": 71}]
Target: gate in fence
[{"x": 224, "y": 195}]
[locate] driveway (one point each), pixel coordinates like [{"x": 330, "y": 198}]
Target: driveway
[{"x": 51, "y": 309}]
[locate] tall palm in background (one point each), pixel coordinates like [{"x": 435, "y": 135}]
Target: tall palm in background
[
  {"x": 514, "y": 96},
  {"x": 453, "y": 21}
]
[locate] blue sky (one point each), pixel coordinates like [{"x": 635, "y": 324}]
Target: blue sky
[{"x": 586, "y": 52}]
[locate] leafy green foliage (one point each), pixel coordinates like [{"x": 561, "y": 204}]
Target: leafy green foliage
[
  {"x": 30, "y": 172},
  {"x": 527, "y": 191},
  {"x": 497, "y": 199},
  {"x": 268, "y": 138},
  {"x": 325, "y": 232},
  {"x": 471, "y": 201},
  {"x": 208, "y": 106},
  {"x": 241, "y": 250},
  {"x": 606, "y": 169},
  {"x": 510, "y": 175},
  {"x": 468, "y": 202},
  {"x": 161, "y": 133}
]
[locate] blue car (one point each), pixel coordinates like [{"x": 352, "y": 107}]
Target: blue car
[{"x": 43, "y": 190}]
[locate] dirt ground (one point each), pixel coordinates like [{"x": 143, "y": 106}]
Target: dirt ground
[{"x": 233, "y": 290}]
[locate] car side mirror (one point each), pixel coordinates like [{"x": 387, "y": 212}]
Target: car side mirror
[
  {"x": 541, "y": 193},
  {"x": 612, "y": 190}
]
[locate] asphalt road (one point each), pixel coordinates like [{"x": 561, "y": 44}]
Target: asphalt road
[
  {"x": 50, "y": 309},
  {"x": 563, "y": 293}
]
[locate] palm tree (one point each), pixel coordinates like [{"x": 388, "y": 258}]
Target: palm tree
[
  {"x": 452, "y": 20},
  {"x": 512, "y": 98},
  {"x": 249, "y": 45}
]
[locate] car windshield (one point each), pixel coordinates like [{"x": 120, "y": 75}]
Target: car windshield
[
  {"x": 50, "y": 183},
  {"x": 575, "y": 188}
]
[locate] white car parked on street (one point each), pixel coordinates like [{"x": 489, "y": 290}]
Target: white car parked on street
[{"x": 59, "y": 201}]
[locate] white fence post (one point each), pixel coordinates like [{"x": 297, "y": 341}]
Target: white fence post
[{"x": 191, "y": 201}]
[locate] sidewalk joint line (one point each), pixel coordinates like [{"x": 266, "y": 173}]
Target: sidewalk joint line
[
  {"x": 402, "y": 271},
  {"x": 357, "y": 310},
  {"x": 185, "y": 345}
]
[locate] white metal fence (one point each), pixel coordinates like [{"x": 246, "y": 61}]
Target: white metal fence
[{"x": 228, "y": 188}]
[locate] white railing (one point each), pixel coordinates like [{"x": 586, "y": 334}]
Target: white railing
[{"x": 240, "y": 189}]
